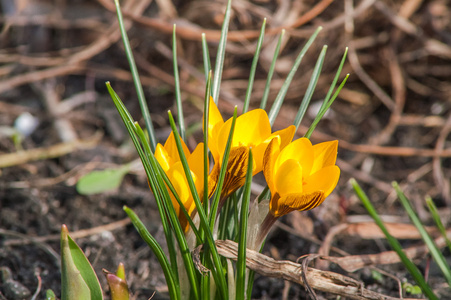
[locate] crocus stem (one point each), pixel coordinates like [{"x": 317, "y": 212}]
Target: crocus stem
[{"x": 266, "y": 225}]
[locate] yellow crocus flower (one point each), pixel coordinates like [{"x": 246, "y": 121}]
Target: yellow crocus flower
[
  {"x": 252, "y": 130},
  {"x": 301, "y": 175},
  {"x": 169, "y": 159}
]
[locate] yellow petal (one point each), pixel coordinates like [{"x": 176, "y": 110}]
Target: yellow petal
[
  {"x": 288, "y": 178},
  {"x": 213, "y": 179},
  {"x": 300, "y": 150},
  {"x": 214, "y": 116},
  {"x": 292, "y": 202},
  {"x": 286, "y": 135},
  {"x": 251, "y": 129},
  {"x": 162, "y": 157},
  {"x": 171, "y": 148},
  {"x": 215, "y": 122},
  {"x": 178, "y": 179},
  {"x": 196, "y": 163},
  {"x": 258, "y": 153},
  {"x": 325, "y": 155},
  {"x": 324, "y": 180},
  {"x": 269, "y": 159}
]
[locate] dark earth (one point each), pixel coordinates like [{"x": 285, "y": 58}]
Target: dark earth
[{"x": 392, "y": 120}]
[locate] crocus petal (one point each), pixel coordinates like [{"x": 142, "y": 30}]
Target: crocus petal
[
  {"x": 162, "y": 157},
  {"x": 258, "y": 153},
  {"x": 171, "y": 148},
  {"x": 196, "y": 162},
  {"x": 300, "y": 150},
  {"x": 325, "y": 155},
  {"x": 214, "y": 116},
  {"x": 286, "y": 135},
  {"x": 269, "y": 159},
  {"x": 213, "y": 179},
  {"x": 178, "y": 179},
  {"x": 236, "y": 170},
  {"x": 288, "y": 178},
  {"x": 251, "y": 129},
  {"x": 324, "y": 180},
  {"x": 292, "y": 202},
  {"x": 215, "y": 122}
]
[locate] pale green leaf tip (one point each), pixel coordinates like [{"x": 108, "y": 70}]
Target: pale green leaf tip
[
  {"x": 120, "y": 272},
  {"x": 64, "y": 232}
]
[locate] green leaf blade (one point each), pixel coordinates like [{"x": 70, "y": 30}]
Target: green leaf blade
[{"x": 98, "y": 182}]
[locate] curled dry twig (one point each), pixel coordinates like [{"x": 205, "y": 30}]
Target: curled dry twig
[{"x": 325, "y": 281}]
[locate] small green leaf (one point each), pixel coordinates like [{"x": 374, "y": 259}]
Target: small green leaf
[
  {"x": 377, "y": 276},
  {"x": 98, "y": 182},
  {"x": 73, "y": 285},
  {"x": 78, "y": 279},
  {"x": 117, "y": 283},
  {"x": 50, "y": 295},
  {"x": 120, "y": 272},
  {"x": 411, "y": 289}
]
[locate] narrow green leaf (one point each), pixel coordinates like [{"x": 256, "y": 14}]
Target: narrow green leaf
[
  {"x": 221, "y": 53},
  {"x": 78, "y": 279},
  {"x": 271, "y": 71},
  {"x": 217, "y": 270},
  {"x": 134, "y": 70},
  {"x": 222, "y": 172},
  {"x": 173, "y": 286},
  {"x": 438, "y": 221},
  {"x": 101, "y": 181},
  {"x": 206, "y": 59},
  {"x": 250, "y": 85},
  {"x": 328, "y": 100},
  {"x": 284, "y": 89},
  {"x": 205, "y": 126},
  {"x": 394, "y": 243},
  {"x": 311, "y": 88},
  {"x": 242, "y": 244},
  {"x": 173, "y": 218},
  {"x": 151, "y": 172},
  {"x": 434, "y": 250},
  {"x": 178, "y": 97}
]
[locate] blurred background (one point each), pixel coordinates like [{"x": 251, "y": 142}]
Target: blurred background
[{"x": 58, "y": 123}]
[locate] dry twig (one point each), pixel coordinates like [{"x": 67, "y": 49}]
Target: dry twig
[{"x": 325, "y": 281}]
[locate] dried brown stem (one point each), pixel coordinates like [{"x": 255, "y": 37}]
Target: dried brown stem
[{"x": 325, "y": 281}]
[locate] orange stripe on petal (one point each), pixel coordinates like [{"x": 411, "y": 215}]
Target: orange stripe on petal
[
  {"x": 236, "y": 171},
  {"x": 300, "y": 202}
]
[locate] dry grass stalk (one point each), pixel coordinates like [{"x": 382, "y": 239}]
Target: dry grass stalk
[{"x": 324, "y": 281}]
